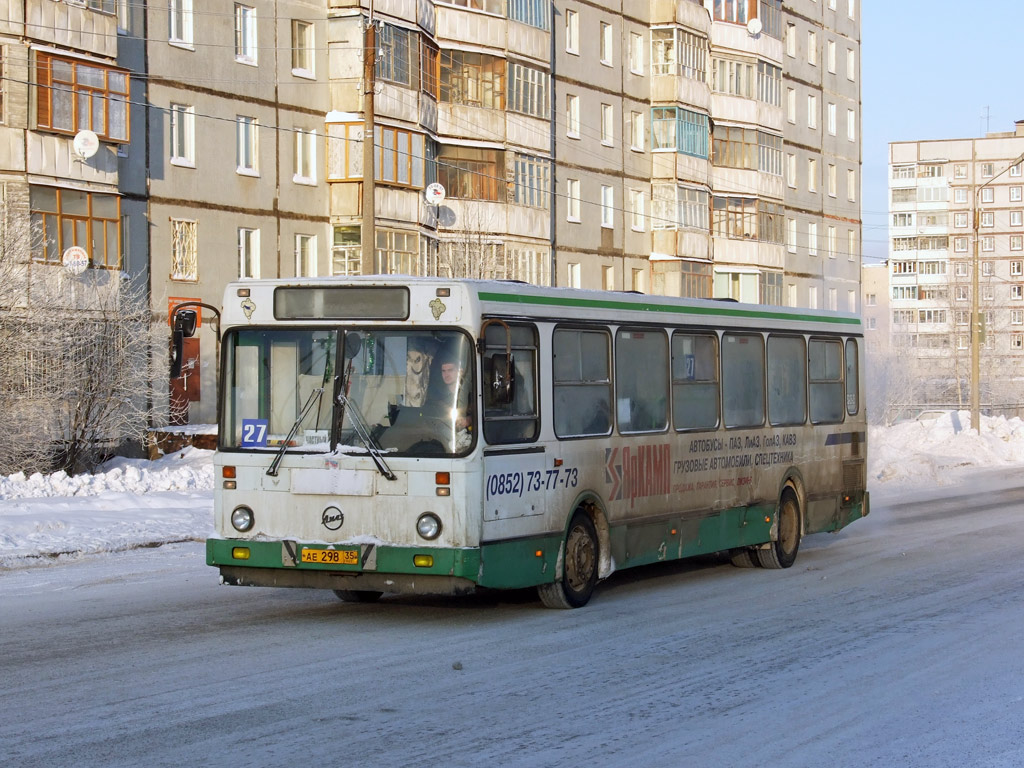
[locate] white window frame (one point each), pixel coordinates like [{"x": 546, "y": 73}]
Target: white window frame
[
  {"x": 246, "y": 49},
  {"x": 179, "y": 23},
  {"x": 572, "y": 32},
  {"x": 247, "y": 145},
  {"x": 637, "y": 140},
  {"x": 607, "y": 125},
  {"x": 572, "y": 116},
  {"x": 248, "y": 253},
  {"x": 851, "y": 185},
  {"x": 572, "y": 195},
  {"x": 305, "y": 157},
  {"x": 830, "y": 47},
  {"x": 851, "y": 125},
  {"x": 305, "y": 255},
  {"x": 812, "y": 238},
  {"x": 184, "y": 250},
  {"x": 303, "y": 49},
  {"x": 831, "y": 119},
  {"x": 607, "y": 44},
  {"x": 182, "y": 131},
  {"x": 607, "y": 206},
  {"x": 636, "y": 53},
  {"x": 812, "y": 47},
  {"x": 812, "y": 111},
  {"x": 636, "y": 210}
]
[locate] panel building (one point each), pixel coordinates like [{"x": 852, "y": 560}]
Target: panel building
[
  {"x": 677, "y": 147},
  {"x": 956, "y": 252}
]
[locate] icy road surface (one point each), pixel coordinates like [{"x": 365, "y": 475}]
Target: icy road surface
[{"x": 898, "y": 642}]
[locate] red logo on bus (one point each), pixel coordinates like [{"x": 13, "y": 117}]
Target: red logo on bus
[{"x": 638, "y": 472}]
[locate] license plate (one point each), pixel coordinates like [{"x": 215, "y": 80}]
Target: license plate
[{"x": 331, "y": 556}]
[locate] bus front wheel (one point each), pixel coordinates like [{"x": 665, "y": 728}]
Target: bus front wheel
[
  {"x": 579, "y": 569},
  {"x": 781, "y": 553}
]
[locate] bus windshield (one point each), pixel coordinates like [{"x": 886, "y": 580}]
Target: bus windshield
[{"x": 396, "y": 391}]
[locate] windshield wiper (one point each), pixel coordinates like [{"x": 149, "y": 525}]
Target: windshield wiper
[
  {"x": 363, "y": 432},
  {"x": 314, "y": 396}
]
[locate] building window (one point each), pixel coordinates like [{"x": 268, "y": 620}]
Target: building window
[
  {"x": 487, "y": 6},
  {"x": 533, "y": 181},
  {"x": 791, "y": 40},
  {"x": 305, "y": 256},
  {"x": 1017, "y": 341},
  {"x": 960, "y": 171},
  {"x": 1015, "y": 194},
  {"x": 607, "y": 125},
  {"x": 184, "y": 250},
  {"x": 572, "y": 32},
  {"x": 986, "y": 268},
  {"x": 769, "y": 83},
  {"x": 636, "y": 131},
  {"x": 572, "y": 116},
  {"x": 636, "y": 53},
  {"x": 988, "y": 218},
  {"x": 303, "y": 48},
  {"x": 960, "y": 244},
  {"x": 851, "y": 185},
  {"x": 830, "y": 48},
  {"x": 959, "y": 195},
  {"x": 245, "y": 34},
  {"x": 988, "y": 243},
  {"x": 248, "y": 252},
  {"x": 472, "y": 79},
  {"x": 1017, "y": 292},
  {"x": 606, "y": 44},
  {"x": 636, "y": 210},
  {"x": 791, "y": 171},
  {"x": 573, "y": 275},
  {"x": 831, "y": 119},
  {"x": 182, "y": 138},
  {"x": 180, "y": 22},
  {"x": 679, "y": 129},
  {"x": 400, "y": 157},
  {"x": 812, "y": 48},
  {"x": 812, "y": 111},
  {"x": 1015, "y": 242},
  {"x": 812, "y": 174},
  {"x": 678, "y": 207},
  {"x": 398, "y": 253},
  {"x": 1015, "y": 170},
  {"x": 987, "y": 195},
  {"x": 607, "y": 206},
  {"x": 65, "y": 217},
  {"x": 960, "y": 219},
  {"x": 1015, "y": 218},
  {"x": 305, "y": 157},
  {"x": 469, "y": 173},
  {"x": 748, "y": 148},
  {"x": 851, "y": 125},
  {"x": 535, "y": 13},
  {"x": 831, "y": 241},
  {"x": 791, "y": 105},
  {"x": 987, "y": 170},
  {"x": 676, "y": 52},
  {"x": 831, "y": 180},
  {"x": 72, "y": 96},
  {"x": 395, "y": 60},
  {"x": 607, "y": 279},
  {"x": 851, "y": 65},
  {"x": 528, "y": 90},
  {"x": 812, "y": 239},
  {"x": 735, "y": 11},
  {"x": 791, "y": 235},
  {"x": 430, "y": 69},
  {"x": 573, "y": 200},
  {"x": 346, "y": 251},
  {"x": 735, "y": 78},
  {"x": 246, "y": 145},
  {"x": 1016, "y": 266}
]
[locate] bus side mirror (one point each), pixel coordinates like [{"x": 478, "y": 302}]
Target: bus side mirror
[
  {"x": 501, "y": 377},
  {"x": 184, "y": 327}
]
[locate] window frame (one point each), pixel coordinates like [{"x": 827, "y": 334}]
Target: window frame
[{"x": 67, "y": 84}]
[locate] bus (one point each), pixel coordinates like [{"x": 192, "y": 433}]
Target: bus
[{"x": 431, "y": 436}]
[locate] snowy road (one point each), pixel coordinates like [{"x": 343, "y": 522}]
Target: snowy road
[{"x": 898, "y": 642}]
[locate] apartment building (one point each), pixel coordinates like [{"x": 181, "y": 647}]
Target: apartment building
[
  {"x": 956, "y": 250},
  {"x": 678, "y": 147}
]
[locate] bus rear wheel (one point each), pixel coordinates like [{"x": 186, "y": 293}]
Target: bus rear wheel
[
  {"x": 579, "y": 569},
  {"x": 781, "y": 553},
  {"x": 358, "y": 596}
]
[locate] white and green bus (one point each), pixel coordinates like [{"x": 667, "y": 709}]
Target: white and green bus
[{"x": 421, "y": 435}]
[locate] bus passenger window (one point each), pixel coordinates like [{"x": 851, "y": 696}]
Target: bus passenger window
[
  {"x": 825, "y": 359},
  {"x": 787, "y": 380},
  {"x": 743, "y": 380},
  {"x": 694, "y": 381},
  {"x": 519, "y": 420},
  {"x": 852, "y": 377},
  {"x": 641, "y": 383},
  {"x": 581, "y": 373}
]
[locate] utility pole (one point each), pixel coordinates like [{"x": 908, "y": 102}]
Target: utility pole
[{"x": 366, "y": 235}]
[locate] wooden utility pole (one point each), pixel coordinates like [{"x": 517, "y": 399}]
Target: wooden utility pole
[{"x": 367, "y": 236}]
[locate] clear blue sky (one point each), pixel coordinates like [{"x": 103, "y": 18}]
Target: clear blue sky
[{"x": 929, "y": 70}]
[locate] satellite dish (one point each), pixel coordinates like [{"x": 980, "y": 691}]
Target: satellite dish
[
  {"x": 446, "y": 216},
  {"x": 86, "y": 144},
  {"x": 434, "y": 193},
  {"x": 754, "y": 27}
]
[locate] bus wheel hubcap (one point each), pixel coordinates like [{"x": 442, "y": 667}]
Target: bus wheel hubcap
[{"x": 580, "y": 558}]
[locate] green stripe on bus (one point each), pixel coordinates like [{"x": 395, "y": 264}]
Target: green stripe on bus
[{"x": 559, "y": 301}]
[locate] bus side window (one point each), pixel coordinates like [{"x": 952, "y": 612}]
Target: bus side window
[
  {"x": 517, "y": 421},
  {"x": 581, "y": 379},
  {"x": 695, "y": 380},
  {"x": 825, "y": 360},
  {"x": 641, "y": 380},
  {"x": 787, "y": 380},
  {"x": 852, "y": 377},
  {"x": 743, "y": 379}
]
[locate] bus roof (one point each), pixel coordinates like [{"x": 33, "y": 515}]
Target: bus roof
[{"x": 251, "y": 302}]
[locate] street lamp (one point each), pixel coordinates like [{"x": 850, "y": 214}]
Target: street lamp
[{"x": 975, "y": 312}]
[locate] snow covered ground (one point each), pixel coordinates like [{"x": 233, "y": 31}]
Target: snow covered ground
[{"x": 131, "y": 503}]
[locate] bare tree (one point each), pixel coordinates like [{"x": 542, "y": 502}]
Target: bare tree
[{"x": 80, "y": 356}]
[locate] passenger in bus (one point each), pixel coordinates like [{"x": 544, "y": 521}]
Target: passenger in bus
[{"x": 455, "y": 392}]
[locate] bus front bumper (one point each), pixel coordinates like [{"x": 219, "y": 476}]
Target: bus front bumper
[{"x": 356, "y": 567}]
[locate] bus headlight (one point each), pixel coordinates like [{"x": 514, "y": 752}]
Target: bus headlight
[
  {"x": 428, "y": 526},
  {"x": 242, "y": 519}
]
